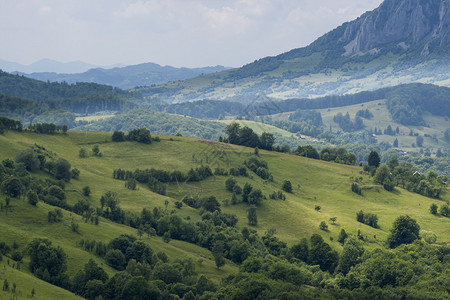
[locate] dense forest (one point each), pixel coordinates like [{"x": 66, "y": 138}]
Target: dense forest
[{"x": 81, "y": 98}]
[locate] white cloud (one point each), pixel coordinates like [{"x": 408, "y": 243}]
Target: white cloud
[{"x": 175, "y": 32}]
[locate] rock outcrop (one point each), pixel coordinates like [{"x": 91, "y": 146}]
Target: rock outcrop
[{"x": 404, "y": 22}]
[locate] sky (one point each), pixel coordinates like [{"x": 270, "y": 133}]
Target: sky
[{"x": 180, "y": 33}]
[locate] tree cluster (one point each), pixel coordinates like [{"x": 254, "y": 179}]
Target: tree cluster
[{"x": 246, "y": 137}]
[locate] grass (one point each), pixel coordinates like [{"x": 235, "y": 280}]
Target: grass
[
  {"x": 315, "y": 183},
  {"x": 259, "y": 127},
  {"x": 435, "y": 125}
]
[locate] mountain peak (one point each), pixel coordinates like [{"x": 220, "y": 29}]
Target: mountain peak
[{"x": 403, "y": 22}]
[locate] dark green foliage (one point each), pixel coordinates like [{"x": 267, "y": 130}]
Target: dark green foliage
[
  {"x": 346, "y": 124},
  {"x": 356, "y": 188},
  {"x": 301, "y": 250},
  {"x": 230, "y": 183},
  {"x": 86, "y": 191},
  {"x": 29, "y": 158},
  {"x": 211, "y": 204},
  {"x": 374, "y": 159},
  {"x": 433, "y": 209},
  {"x": 444, "y": 210},
  {"x": 246, "y": 137},
  {"x": 139, "y": 288},
  {"x": 273, "y": 244},
  {"x": 266, "y": 141},
  {"x": 296, "y": 127},
  {"x": 47, "y": 262},
  {"x": 383, "y": 175},
  {"x": 447, "y": 135},
  {"x": 395, "y": 144},
  {"x": 307, "y": 151},
  {"x": 116, "y": 259},
  {"x": 342, "y": 236},
  {"x": 338, "y": 155},
  {"x": 157, "y": 187},
  {"x": 405, "y": 230},
  {"x": 54, "y": 216},
  {"x": 193, "y": 202},
  {"x": 320, "y": 253},
  {"x": 259, "y": 167},
  {"x": 367, "y": 218},
  {"x": 12, "y": 186},
  {"x": 277, "y": 195},
  {"x": 9, "y": 124},
  {"x": 419, "y": 141},
  {"x": 255, "y": 197},
  {"x": 82, "y": 153},
  {"x": 118, "y": 136},
  {"x": 56, "y": 192},
  {"x": 323, "y": 226},
  {"x": 141, "y": 135},
  {"x": 217, "y": 252},
  {"x": 62, "y": 169},
  {"x": 350, "y": 256},
  {"x": 308, "y": 116},
  {"x": 82, "y": 98},
  {"x": 287, "y": 186},
  {"x": 406, "y": 103},
  {"x": 5, "y": 285},
  {"x": 32, "y": 198},
  {"x": 251, "y": 216},
  {"x": 246, "y": 191},
  {"x": 366, "y": 114},
  {"x": 75, "y": 173}
]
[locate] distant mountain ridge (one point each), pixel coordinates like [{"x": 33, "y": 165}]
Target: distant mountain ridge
[
  {"x": 145, "y": 74},
  {"x": 401, "y": 41},
  {"x": 49, "y": 65}
]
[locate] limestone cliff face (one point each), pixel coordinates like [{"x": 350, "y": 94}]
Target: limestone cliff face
[{"x": 399, "y": 21}]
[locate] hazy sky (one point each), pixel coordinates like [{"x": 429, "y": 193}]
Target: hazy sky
[{"x": 189, "y": 33}]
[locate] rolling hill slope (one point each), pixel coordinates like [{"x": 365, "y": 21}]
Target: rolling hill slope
[{"x": 315, "y": 184}]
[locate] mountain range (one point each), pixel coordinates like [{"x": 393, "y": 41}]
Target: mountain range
[
  {"x": 49, "y": 65},
  {"x": 127, "y": 77},
  {"x": 401, "y": 41}
]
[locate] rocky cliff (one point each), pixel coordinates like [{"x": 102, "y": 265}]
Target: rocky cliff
[{"x": 404, "y": 22}]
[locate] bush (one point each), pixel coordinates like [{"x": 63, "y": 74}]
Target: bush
[
  {"x": 444, "y": 210},
  {"x": 323, "y": 226},
  {"x": 230, "y": 183},
  {"x": 287, "y": 186},
  {"x": 115, "y": 259},
  {"x": 433, "y": 209},
  {"x": 356, "y": 189}
]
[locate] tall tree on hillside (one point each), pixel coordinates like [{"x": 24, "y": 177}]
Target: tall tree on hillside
[
  {"x": 405, "y": 230},
  {"x": 248, "y": 138},
  {"x": 267, "y": 140},
  {"x": 374, "y": 159},
  {"x": 395, "y": 144},
  {"x": 232, "y": 130},
  {"x": 251, "y": 215},
  {"x": 217, "y": 252}
]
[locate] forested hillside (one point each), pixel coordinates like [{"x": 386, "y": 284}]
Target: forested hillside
[
  {"x": 159, "y": 123},
  {"x": 148, "y": 216},
  {"x": 81, "y": 98}
]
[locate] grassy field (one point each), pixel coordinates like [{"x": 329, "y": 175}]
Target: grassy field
[
  {"x": 92, "y": 118},
  {"x": 435, "y": 125},
  {"x": 259, "y": 127},
  {"x": 315, "y": 183}
]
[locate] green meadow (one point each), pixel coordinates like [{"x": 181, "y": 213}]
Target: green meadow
[{"x": 315, "y": 183}]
